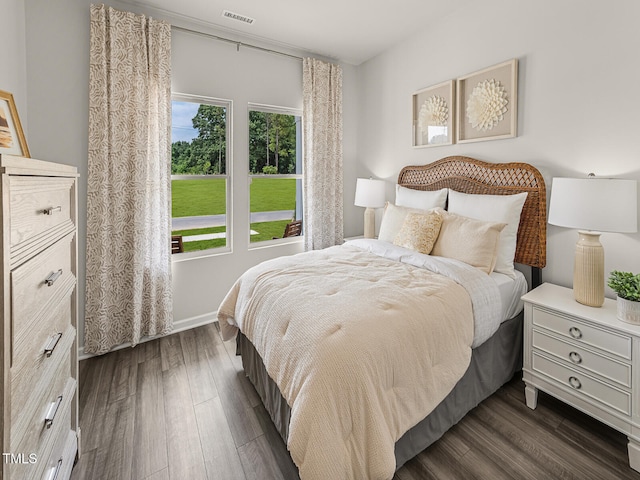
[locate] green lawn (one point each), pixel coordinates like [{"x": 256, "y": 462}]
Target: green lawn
[
  {"x": 192, "y": 198},
  {"x": 272, "y": 194},
  {"x": 208, "y": 197}
]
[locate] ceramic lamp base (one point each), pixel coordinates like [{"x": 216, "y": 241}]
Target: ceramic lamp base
[
  {"x": 588, "y": 270},
  {"x": 369, "y": 223}
]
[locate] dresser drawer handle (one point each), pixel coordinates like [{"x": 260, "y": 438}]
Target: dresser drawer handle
[
  {"x": 53, "y": 343},
  {"x": 51, "y": 414},
  {"x": 51, "y": 279},
  {"x": 575, "y": 383},
  {"x": 575, "y": 332},
  {"x": 575, "y": 357},
  {"x": 52, "y": 210},
  {"x": 53, "y": 473}
]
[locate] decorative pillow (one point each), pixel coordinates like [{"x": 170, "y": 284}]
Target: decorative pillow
[
  {"x": 471, "y": 241},
  {"x": 419, "y": 231},
  {"x": 392, "y": 220},
  {"x": 423, "y": 200},
  {"x": 494, "y": 208}
]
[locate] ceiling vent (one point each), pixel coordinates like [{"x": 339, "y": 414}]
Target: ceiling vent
[{"x": 236, "y": 16}]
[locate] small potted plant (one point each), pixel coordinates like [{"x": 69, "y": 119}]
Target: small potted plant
[{"x": 627, "y": 286}]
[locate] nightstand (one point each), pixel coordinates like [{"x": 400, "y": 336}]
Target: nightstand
[{"x": 585, "y": 357}]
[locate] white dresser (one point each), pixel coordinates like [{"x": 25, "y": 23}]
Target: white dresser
[
  {"x": 39, "y": 315},
  {"x": 584, "y": 356}
]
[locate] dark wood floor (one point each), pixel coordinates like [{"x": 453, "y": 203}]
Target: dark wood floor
[{"x": 180, "y": 408}]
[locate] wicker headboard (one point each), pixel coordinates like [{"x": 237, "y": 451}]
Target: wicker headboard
[{"x": 469, "y": 175}]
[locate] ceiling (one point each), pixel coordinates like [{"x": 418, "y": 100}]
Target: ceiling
[{"x": 351, "y": 31}]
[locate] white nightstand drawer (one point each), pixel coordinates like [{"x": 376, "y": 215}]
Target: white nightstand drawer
[
  {"x": 607, "y": 367},
  {"x": 583, "y": 384},
  {"x": 612, "y": 342}
]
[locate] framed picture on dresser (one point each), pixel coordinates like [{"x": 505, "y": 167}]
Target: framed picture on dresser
[{"x": 12, "y": 139}]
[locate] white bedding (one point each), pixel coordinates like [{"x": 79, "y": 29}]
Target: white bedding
[
  {"x": 361, "y": 346},
  {"x": 511, "y": 291},
  {"x": 482, "y": 289}
]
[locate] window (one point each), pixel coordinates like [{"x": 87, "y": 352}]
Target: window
[
  {"x": 199, "y": 165},
  {"x": 275, "y": 169}
]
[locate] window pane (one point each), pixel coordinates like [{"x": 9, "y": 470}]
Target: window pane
[
  {"x": 274, "y": 150},
  {"x": 199, "y": 139},
  {"x": 273, "y": 205},
  {"x": 199, "y": 203},
  {"x": 273, "y": 143},
  {"x": 199, "y": 212}
]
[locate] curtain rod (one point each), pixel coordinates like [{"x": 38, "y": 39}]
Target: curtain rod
[{"x": 235, "y": 42}]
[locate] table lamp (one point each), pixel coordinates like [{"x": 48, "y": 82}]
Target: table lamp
[
  {"x": 593, "y": 205},
  {"x": 370, "y": 194}
]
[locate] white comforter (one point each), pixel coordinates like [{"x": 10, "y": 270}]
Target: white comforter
[{"x": 361, "y": 346}]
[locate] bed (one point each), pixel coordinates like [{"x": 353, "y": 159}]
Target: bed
[{"x": 475, "y": 369}]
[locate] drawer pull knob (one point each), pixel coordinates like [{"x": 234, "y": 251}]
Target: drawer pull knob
[
  {"x": 575, "y": 383},
  {"x": 51, "y": 414},
  {"x": 51, "y": 279},
  {"x": 575, "y": 332},
  {"x": 53, "y": 343},
  {"x": 53, "y": 473},
  {"x": 52, "y": 210},
  {"x": 575, "y": 357}
]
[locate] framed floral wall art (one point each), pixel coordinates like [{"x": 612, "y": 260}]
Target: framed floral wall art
[
  {"x": 12, "y": 139},
  {"x": 433, "y": 115},
  {"x": 487, "y": 103}
]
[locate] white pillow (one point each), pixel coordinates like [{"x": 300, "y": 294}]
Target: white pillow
[
  {"x": 392, "y": 221},
  {"x": 494, "y": 208},
  {"x": 423, "y": 200}
]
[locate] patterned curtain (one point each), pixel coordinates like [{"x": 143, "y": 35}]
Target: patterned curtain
[
  {"x": 322, "y": 114},
  {"x": 129, "y": 292}
]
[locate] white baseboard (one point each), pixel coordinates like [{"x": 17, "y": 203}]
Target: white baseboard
[{"x": 178, "y": 326}]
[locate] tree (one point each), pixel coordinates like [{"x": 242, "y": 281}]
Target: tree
[
  {"x": 272, "y": 142},
  {"x": 283, "y": 141},
  {"x": 206, "y": 153}
]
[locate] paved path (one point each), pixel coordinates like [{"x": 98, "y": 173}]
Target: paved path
[{"x": 206, "y": 221}]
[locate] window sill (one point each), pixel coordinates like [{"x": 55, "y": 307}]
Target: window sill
[
  {"x": 276, "y": 242},
  {"x": 213, "y": 252}
]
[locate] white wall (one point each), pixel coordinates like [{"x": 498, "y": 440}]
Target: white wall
[
  {"x": 58, "y": 74},
  {"x": 578, "y": 99},
  {"x": 13, "y": 73}
]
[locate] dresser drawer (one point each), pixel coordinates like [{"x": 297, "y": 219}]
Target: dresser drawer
[
  {"x": 38, "y": 206},
  {"x": 607, "y": 367},
  {"x": 582, "y": 384},
  {"x": 53, "y": 447},
  {"x": 29, "y": 430},
  {"x": 60, "y": 462},
  {"x": 33, "y": 372},
  {"x": 615, "y": 343},
  {"x": 40, "y": 283}
]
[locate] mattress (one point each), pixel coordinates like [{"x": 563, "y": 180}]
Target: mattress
[{"x": 511, "y": 292}]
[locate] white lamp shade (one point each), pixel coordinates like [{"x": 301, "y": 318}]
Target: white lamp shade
[
  {"x": 370, "y": 193},
  {"x": 599, "y": 204}
]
